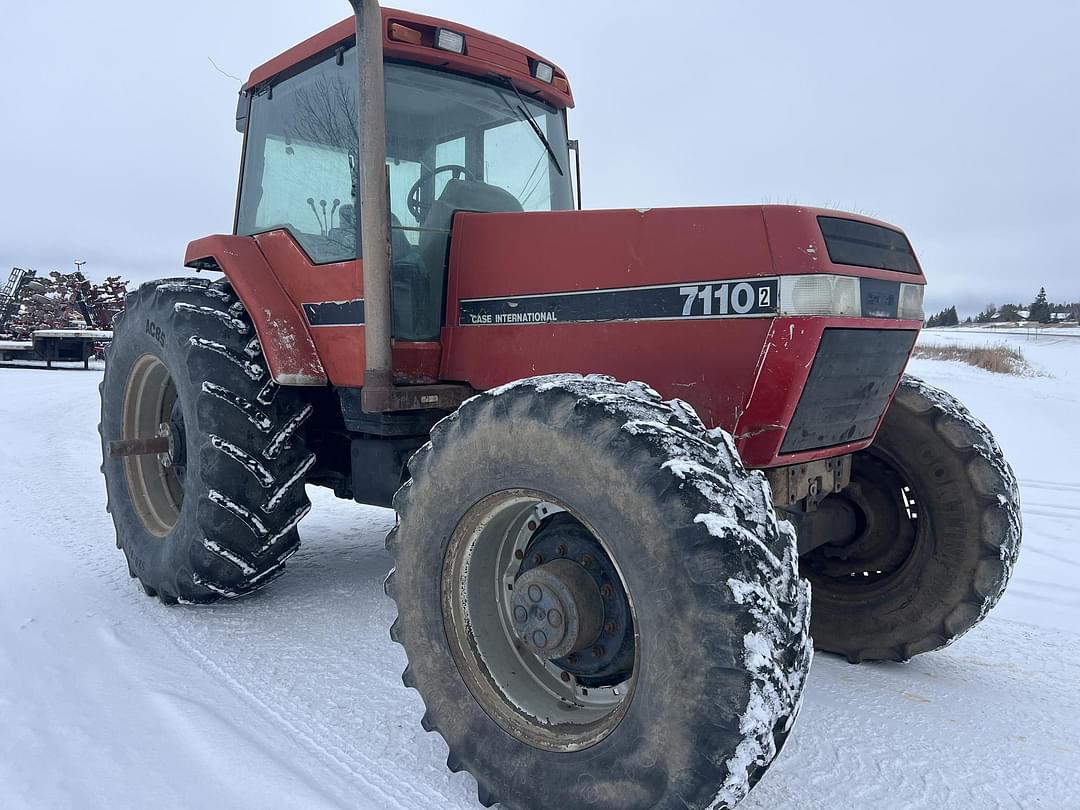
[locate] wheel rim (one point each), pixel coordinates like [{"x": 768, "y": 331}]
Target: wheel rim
[
  {"x": 542, "y": 701},
  {"x": 891, "y": 530},
  {"x": 151, "y": 408}
]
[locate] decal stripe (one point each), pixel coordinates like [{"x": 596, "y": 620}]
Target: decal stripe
[
  {"x": 335, "y": 313},
  {"x": 738, "y": 298}
]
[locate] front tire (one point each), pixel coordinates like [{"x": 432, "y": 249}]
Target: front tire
[
  {"x": 598, "y": 488},
  {"x": 939, "y": 533},
  {"x": 216, "y": 517}
]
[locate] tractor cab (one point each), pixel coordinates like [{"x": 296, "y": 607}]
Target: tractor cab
[{"x": 453, "y": 143}]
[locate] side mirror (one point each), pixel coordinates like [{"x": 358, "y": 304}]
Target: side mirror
[
  {"x": 575, "y": 147},
  {"x": 243, "y": 107}
]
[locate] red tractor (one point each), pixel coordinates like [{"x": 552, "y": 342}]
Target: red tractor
[{"x": 603, "y": 586}]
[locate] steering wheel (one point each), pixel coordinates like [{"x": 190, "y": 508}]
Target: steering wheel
[{"x": 417, "y": 207}]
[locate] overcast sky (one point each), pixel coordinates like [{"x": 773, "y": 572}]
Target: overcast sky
[{"x": 958, "y": 121}]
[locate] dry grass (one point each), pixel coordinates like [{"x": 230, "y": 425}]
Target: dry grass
[{"x": 1000, "y": 358}]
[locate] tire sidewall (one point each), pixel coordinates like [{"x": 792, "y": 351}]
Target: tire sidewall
[{"x": 144, "y": 329}]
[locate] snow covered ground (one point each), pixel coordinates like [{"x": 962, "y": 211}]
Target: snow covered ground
[{"x": 292, "y": 699}]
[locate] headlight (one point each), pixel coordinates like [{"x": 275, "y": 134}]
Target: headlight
[
  {"x": 448, "y": 40},
  {"x": 543, "y": 71},
  {"x": 825, "y": 294},
  {"x": 911, "y": 302},
  {"x": 820, "y": 295}
]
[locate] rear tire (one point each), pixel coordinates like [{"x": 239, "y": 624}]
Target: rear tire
[
  {"x": 720, "y": 648},
  {"x": 938, "y": 542},
  {"x": 219, "y": 521}
]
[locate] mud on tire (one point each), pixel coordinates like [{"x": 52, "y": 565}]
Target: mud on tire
[
  {"x": 221, "y": 521},
  {"x": 936, "y": 553},
  {"x": 722, "y": 646}
]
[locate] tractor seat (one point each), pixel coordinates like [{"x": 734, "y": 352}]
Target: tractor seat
[{"x": 459, "y": 195}]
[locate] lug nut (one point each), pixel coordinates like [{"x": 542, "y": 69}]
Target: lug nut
[
  {"x": 538, "y": 559},
  {"x": 598, "y": 651},
  {"x": 521, "y": 615},
  {"x": 607, "y": 591},
  {"x": 586, "y": 561},
  {"x": 565, "y": 677},
  {"x": 535, "y": 593},
  {"x": 611, "y": 627},
  {"x": 532, "y": 525},
  {"x": 555, "y": 619},
  {"x": 561, "y": 550},
  {"x": 519, "y": 554}
]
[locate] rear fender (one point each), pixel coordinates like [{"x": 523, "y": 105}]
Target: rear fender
[{"x": 286, "y": 342}]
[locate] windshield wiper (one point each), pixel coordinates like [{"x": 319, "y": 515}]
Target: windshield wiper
[{"x": 523, "y": 108}]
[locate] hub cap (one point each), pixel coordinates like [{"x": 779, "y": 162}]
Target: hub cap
[{"x": 558, "y": 609}]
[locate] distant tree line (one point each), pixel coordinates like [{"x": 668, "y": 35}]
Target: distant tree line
[
  {"x": 1041, "y": 310},
  {"x": 947, "y": 317}
]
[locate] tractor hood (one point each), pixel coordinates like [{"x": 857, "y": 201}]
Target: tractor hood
[
  {"x": 736, "y": 310},
  {"x": 563, "y": 254}
]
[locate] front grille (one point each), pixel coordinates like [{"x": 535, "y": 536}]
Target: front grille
[
  {"x": 853, "y": 376},
  {"x": 864, "y": 245}
]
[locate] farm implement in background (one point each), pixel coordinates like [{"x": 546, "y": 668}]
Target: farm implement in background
[{"x": 57, "y": 318}]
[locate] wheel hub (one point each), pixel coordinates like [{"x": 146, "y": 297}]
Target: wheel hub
[
  {"x": 887, "y": 526},
  {"x": 174, "y": 431},
  {"x": 558, "y": 609},
  {"x": 595, "y": 659}
]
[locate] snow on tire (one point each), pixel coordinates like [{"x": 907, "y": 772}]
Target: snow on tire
[
  {"x": 940, "y": 541},
  {"x": 720, "y": 647},
  {"x": 218, "y": 519}
]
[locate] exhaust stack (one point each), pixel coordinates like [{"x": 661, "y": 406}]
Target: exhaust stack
[
  {"x": 373, "y": 224},
  {"x": 379, "y": 394}
]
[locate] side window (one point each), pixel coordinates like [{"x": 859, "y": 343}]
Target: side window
[
  {"x": 305, "y": 185},
  {"x": 300, "y": 164}
]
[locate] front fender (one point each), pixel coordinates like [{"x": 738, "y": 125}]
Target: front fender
[{"x": 286, "y": 342}]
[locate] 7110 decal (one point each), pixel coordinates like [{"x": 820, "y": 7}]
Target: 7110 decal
[
  {"x": 738, "y": 298},
  {"x": 744, "y": 298}
]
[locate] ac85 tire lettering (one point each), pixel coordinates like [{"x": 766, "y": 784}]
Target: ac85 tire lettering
[{"x": 156, "y": 332}]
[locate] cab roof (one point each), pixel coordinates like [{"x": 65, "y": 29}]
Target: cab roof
[{"x": 485, "y": 55}]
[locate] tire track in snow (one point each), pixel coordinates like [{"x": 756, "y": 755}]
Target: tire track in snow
[
  {"x": 296, "y": 651},
  {"x": 324, "y": 752},
  {"x": 378, "y": 779},
  {"x": 1052, "y": 486},
  {"x": 1056, "y": 557},
  {"x": 991, "y": 729},
  {"x": 1020, "y": 592},
  {"x": 1052, "y": 511},
  {"x": 80, "y": 515}
]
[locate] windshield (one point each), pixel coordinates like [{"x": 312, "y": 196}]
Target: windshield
[{"x": 453, "y": 143}]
